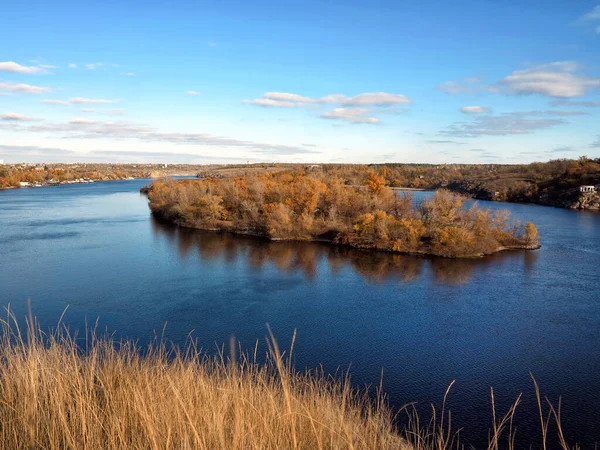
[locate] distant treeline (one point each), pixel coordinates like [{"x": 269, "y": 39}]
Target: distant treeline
[
  {"x": 325, "y": 205},
  {"x": 554, "y": 183}
]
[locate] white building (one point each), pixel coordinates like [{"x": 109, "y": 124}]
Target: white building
[
  {"x": 587, "y": 188},
  {"x": 1, "y": 162}
]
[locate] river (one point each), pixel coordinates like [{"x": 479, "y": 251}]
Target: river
[{"x": 490, "y": 322}]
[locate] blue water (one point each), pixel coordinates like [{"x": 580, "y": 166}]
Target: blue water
[{"x": 425, "y": 322}]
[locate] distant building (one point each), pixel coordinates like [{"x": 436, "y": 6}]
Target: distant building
[
  {"x": 24, "y": 184},
  {"x": 1, "y": 162},
  {"x": 588, "y": 188}
]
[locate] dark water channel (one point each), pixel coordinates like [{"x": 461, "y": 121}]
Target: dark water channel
[{"x": 426, "y": 322}]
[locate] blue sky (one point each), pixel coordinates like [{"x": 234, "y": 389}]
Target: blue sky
[{"x": 332, "y": 81}]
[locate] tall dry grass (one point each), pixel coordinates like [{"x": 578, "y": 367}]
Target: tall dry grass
[
  {"x": 101, "y": 394},
  {"x": 62, "y": 392}
]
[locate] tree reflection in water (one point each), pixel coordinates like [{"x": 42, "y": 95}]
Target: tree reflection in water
[{"x": 304, "y": 257}]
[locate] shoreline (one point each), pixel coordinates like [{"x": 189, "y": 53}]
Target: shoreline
[{"x": 418, "y": 253}]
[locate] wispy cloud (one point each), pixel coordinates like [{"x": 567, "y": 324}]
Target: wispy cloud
[
  {"x": 353, "y": 115},
  {"x": 88, "y": 110},
  {"x": 442, "y": 141},
  {"x": 82, "y": 128},
  {"x": 286, "y": 100},
  {"x": 55, "y": 102},
  {"x": 23, "y": 88},
  {"x": 587, "y": 104},
  {"x": 467, "y": 85},
  {"x": 94, "y": 66},
  {"x": 593, "y": 16},
  {"x": 561, "y": 79},
  {"x": 32, "y": 153},
  {"x": 13, "y": 67},
  {"x": 500, "y": 125},
  {"x": 23, "y": 152},
  {"x": 16, "y": 117},
  {"x": 91, "y": 101},
  {"x": 115, "y": 112},
  {"x": 72, "y": 66},
  {"x": 193, "y": 93},
  {"x": 565, "y": 149},
  {"x": 128, "y": 74},
  {"x": 357, "y": 109},
  {"x": 596, "y": 144},
  {"x": 474, "y": 110},
  {"x": 548, "y": 113},
  {"x": 558, "y": 79}
]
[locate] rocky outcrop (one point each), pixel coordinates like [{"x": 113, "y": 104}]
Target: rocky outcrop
[{"x": 588, "y": 200}]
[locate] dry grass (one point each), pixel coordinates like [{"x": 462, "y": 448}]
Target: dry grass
[
  {"x": 58, "y": 392},
  {"x": 111, "y": 395}
]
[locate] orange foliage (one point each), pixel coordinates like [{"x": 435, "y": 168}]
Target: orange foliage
[{"x": 300, "y": 206}]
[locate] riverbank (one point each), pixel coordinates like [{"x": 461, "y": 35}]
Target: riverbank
[{"x": 113, "y": 395}]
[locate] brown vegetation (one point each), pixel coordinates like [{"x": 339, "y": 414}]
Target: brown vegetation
[
  {"x": 12, "y": 176},
  {"x": 56, "y": 394},
  {"x": 300, "y": 206}
]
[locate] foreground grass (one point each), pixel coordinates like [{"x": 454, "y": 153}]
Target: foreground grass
[{"x": 54, "y": 394}]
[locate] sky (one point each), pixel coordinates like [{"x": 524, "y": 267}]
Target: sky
[{"x": 340, "y": 81}]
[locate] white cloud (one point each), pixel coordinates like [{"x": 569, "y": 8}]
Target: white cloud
[
  {"x": 23, "y": 88},
  {"x": 288, "y": 100},
  {"x": 13, "y": 67},
  {"x": 587, "y": 104},
  {"x": 94, "y": 66},
  {"x": 88, "y": 110},
  {"x": 354, "y": 115},
  {"x": 355, "y": 109},
  {"x": 376, "y": 99},
  {"x": 287, "y": 97},
  {"x": 86, "y": 101},
  {"x": 55, "y": 102},
  {"x": 115, "y": 112},
  {"x": 501, "y": 125},
  {"x": 48, "y": 66},
  {"x": 80, "y": 121},
  {"x": 556, "y": 79},
  {"x": 440, "y": 141},
  {"x": 273, "y": 103},
  {"x": 193, "y": 93},
  {"x": 128, "y": 74},
  {"x": 593, "y": 15},
  {"x": 81, "y": 128},
  {"x": 468, "y": 85},
  {"x": 72, "y": 66},
  {"x": 548, "y": 113},
  {"x": 474, "y": 109},
  {"x": 16, "y": 117}
]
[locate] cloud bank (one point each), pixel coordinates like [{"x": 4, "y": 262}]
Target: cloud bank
[
  {"x": 13, "y": 67},
  {"x": 357, "y": 109}
]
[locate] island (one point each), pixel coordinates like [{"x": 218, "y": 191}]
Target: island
[{"x": 319, "y": 205}]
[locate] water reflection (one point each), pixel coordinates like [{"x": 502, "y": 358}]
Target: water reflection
[{"x": 306, "y": 257}]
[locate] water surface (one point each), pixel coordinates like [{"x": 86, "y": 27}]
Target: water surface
[{"x": 426, "y": 322}]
